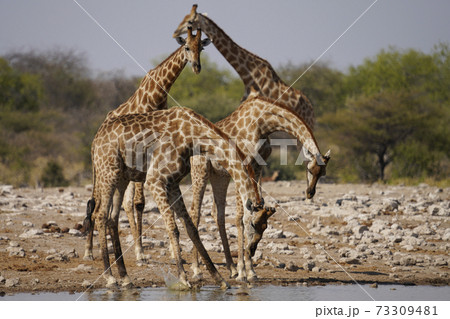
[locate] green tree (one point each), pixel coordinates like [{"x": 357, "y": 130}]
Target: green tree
[
  {"x": 322, "y": 84},
  {"x": 396, "y": 106},
  {"x": 19, "y": 91},
  {"x": 375, "y": 125},
  {"x": 53, "y": 176}
]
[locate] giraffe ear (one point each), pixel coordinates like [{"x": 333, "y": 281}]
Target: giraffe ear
[
  {"x": 327, "y": 156},
  {"x": 206, "y": 42},
  {"x": 180, "y": 40}
]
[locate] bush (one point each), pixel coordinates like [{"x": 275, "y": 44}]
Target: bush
[{"x": 53, "y": 176}]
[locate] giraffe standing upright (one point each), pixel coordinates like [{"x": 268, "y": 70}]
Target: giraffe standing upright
[
  {"x": 251, "y": 123},
  {"x": 151, "y": 95},
  {"x": 255, "y": 72},
  {"x": 155, "y": 147}
]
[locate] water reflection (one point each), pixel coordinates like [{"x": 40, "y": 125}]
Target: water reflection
[
  {"x": 112, "y": 295},
  {"x": 164, "y": 294},
  {"x": 264, "y": 293}
]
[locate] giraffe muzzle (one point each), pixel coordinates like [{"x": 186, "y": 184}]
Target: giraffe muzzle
[
  {"x": 196, "y": 67},
  {"x": 310, "y": 192}
]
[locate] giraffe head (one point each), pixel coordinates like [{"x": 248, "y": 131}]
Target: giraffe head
[
  {"x": 191, "y": 20},
  {"x": 193, "y": 45},
  {"x": 316, "y": 168},
  {"x": 257, "y": 227}
]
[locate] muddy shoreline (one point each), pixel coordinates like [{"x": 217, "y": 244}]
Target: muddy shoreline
[{"x": 348, "y": 233}]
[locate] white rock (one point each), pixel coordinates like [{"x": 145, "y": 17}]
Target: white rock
[
  {"x": 208, "y": 237},
  {"x": 274, "y": 233},
  {"x": 378, "y": 226},
  {"x": 376, "y": 209},
  {"x": 233, "y": 232},
  {"x": 6, "y": 189},
  {"x": 14, "y": 244},
  {"x": 321, "y": 258},
  {"x": 16, "y": 251},
  {"x": 434, "y": 210},
  {"x": 75, "y": 232},
  {"x": 360, "y": 229},
  {"x": 13, "y": 282},
  {"x": 440, "y": 261},
  {"x": 309, "y": 265},
  {"x": 289, "y": 234},
  {"x": 424, "y": 230},
  {"x": 82, "y": 267},
  {"x": 390, "y": 204},
  {"x": 27, "y": 224},
  {"x": 31, "y": 233},
  {"x": 446, "y": 235},
  {"x": 407, "y": 261}
]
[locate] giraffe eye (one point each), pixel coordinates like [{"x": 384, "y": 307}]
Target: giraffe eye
[{"x": 187, "y": 48}]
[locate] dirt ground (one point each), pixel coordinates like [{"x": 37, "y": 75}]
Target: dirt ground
[{"x": 346, "y": 234}]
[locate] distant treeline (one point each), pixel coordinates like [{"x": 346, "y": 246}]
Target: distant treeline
[{"x": 386, "y": 119}]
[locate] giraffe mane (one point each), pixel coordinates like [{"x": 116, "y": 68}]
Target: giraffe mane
[
  {"x": 166, "y": 59},
  {"x": 281, "y": 105}
]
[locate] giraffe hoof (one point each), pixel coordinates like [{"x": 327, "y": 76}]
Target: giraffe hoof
[
  {"x": 111, "y": 283},
  {"x": 88, "y": 257},
  {"x": 224, "y": 285},
  {"x": 197, "y": 276},
  {"x": 233, "y": 272},
  {"x": 241, "y": 278},
  {"x": 127, "y": 284}
]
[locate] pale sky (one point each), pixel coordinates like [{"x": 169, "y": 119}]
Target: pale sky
[{"x": 280, "y": 31}]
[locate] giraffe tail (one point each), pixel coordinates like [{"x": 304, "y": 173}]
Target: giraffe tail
[{"x": 87, "y": 223}]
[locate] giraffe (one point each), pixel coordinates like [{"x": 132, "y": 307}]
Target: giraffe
[
  {"x": 255, "y": 72},
  {"x": 248, "y": 125},
  {"x": 151, "y": 95},
  {"x": 155, "y": 147}
]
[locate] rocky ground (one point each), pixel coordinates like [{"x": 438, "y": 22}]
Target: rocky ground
[{"x": 348, "y": 233}]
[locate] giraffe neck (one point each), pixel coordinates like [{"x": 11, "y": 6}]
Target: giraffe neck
[
  {"x": 152, "y": 92},
  {"x": 244, "y": 62},
  {"x": 262, "y": 116},
  {"x": 257, "y": 73}
]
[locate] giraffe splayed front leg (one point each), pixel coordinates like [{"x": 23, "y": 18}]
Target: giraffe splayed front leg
[
  {"x": 199, "y": 180},
  {"x": 160, "y": 194},
  {"x": 220, "y": 186}
]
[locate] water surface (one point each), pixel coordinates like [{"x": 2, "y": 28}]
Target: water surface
[{"x": 263, "y": 293}]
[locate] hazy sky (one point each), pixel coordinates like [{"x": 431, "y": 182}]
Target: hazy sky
[{"x": 279, "y": 31}]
